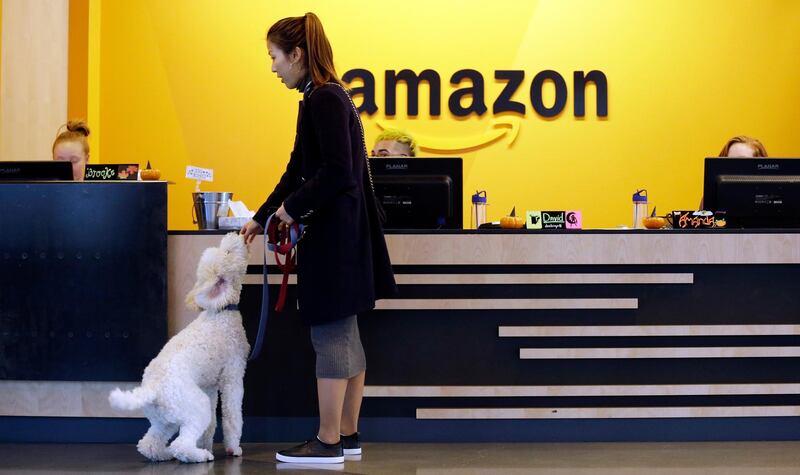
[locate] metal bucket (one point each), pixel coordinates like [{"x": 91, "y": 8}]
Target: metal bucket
[{"x": 208, "y": 206}]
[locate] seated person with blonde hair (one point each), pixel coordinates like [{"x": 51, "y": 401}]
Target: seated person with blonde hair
[
  {"x": 394, "y": 143},
  {"x": 72, "y": 146}
]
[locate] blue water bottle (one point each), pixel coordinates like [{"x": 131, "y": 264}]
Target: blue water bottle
[{"x": 479, "y": 204}]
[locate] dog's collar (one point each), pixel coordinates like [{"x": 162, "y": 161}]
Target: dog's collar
[{"x": 232, "y": 307}]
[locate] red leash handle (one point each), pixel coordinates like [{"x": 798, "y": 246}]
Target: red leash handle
[
  {"x": 283, "y": 242},
  {"x": 286, "y": 267}
]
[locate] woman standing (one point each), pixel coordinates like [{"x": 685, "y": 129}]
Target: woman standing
[{"x": 343, "y": 263}]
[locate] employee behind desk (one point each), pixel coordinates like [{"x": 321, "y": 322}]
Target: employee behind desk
[
  {"x": 394, "y": 143},
  {"x": 72, "y": 146},
  {"x": 741, "y": 146}
]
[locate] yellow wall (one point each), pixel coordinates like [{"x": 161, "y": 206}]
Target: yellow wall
[{"x": 188, "y": 82}]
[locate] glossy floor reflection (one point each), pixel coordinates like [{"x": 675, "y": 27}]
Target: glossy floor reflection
[{"x": 729, "y": 458}]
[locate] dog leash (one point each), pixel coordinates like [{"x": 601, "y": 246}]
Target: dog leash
[
  {"x": 280, "y": 243},
  {"x": 283, "y": 243}
]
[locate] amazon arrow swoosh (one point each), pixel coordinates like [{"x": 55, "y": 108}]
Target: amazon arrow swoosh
[{"x": 507, "y": 126}]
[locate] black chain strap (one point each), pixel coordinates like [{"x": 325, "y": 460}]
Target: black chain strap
[{"x": 363, "y": 139}]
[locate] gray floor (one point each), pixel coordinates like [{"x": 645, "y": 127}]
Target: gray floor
[{"x": 730, "y": 458}]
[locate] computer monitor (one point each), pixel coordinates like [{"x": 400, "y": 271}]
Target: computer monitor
[
  {"x": 38, "y": 170},
  {"x": 419, "y": 193},
  {"x": 754, "y": 192}
]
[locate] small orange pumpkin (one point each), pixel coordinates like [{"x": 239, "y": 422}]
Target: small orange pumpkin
[
  {"x": 512, "y": 222},
  {"x": 149, "y": 173},
  {"x": 654, "y": 222}
]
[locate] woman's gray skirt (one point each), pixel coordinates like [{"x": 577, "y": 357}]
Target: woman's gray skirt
[{"x": 337, "y": 344}]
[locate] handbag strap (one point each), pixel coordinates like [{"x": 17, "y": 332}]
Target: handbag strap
[{"x": 361, "y": 130}]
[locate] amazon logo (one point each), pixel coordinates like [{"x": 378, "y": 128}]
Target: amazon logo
[{"x": 471, "y": 99}]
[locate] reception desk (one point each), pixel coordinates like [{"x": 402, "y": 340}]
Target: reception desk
[
  {"x": 83, "y": 279},
  {"x": 551, "y": 335},
  {"x": 570, "y": 335}
]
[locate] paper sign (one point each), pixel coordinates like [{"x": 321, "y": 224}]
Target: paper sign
[
  {"x": 574, "y": 220},
  {"x": 553, "y": 220},
  {"x": 533, "y": 219},
  {"x": 197, "y": 173},
  {"x": 118, "y": 171}
]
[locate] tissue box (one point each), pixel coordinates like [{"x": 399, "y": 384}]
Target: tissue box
[{"x": 232, "y": 222}]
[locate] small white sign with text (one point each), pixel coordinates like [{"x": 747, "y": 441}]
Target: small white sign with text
[{"x": 200, "y": 174}]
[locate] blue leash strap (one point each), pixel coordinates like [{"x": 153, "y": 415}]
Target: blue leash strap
[
  {"x": 262, "y": 321},
  {"x": 294, "y": 233}
]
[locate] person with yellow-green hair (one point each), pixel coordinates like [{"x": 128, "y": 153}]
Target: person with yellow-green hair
[{"x": 394, "y": 143}]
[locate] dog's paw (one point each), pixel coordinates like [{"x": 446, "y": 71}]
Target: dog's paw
[
  {"x": 235, "y": 451},
  {"x": 194, "y": 456},
  {"x": 157, "y": 455},
  {"x": 154, "y": 452}
]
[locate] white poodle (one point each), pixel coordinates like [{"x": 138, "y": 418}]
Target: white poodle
[{"x": 179, "y": 388}]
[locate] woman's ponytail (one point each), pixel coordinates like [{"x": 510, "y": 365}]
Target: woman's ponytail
[
  {"x": 306, "y": 33},
  {"x": 320, "y": 53}
]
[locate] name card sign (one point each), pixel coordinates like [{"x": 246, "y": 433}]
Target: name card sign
[
  {"x": 697, "y": 219},
  {"x": 111, "y": 171},
  {"x": 553, "y": 220},
  {"x": 199, "y": 174},
  {"x": 574, "y": 220},
  {"x": 533, "y": 220}
]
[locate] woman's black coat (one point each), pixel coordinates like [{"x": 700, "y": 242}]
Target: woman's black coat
[{"x": 343, "y": 263}]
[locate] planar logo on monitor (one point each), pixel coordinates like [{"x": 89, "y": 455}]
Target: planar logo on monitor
[
  {"x": 399, "y": 166},
  {"x": 768, "y": 166}
]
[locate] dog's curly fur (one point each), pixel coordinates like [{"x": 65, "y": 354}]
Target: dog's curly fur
[{"x": 180, "y": 386}]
